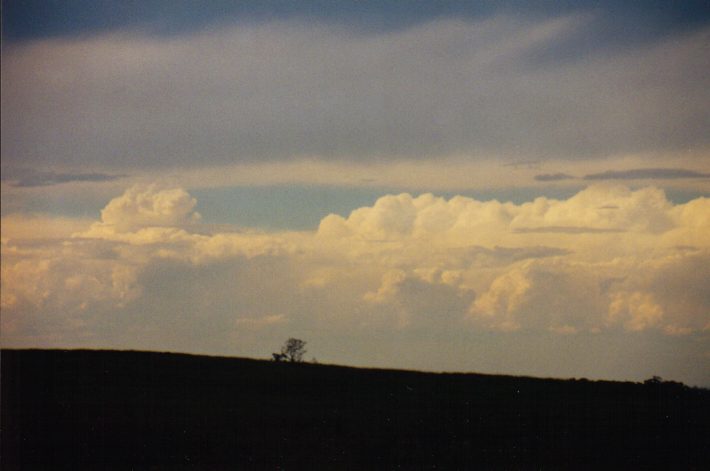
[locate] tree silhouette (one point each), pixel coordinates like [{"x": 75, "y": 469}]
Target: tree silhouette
[
  {"x": 292, "y": 351},
  {"x": 278, "y": 356}
]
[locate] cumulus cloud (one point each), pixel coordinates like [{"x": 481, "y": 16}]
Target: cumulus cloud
[
  {"x": 422, "y": 298},
  {"x": 597, "y": 209},
  {"x": 561, "y": 296},
  {"x": 640, "y": 310},
  {"x": 146, "y": 207},
  {"x": 149, "y": 275}
]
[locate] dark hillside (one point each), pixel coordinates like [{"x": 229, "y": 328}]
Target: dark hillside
[{"x": 139, "y": 410}]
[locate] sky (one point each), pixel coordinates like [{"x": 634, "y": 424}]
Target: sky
[{"x": 498, "y": 186}]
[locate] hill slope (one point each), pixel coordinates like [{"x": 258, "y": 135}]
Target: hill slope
[{"x": 139, "y": 410}]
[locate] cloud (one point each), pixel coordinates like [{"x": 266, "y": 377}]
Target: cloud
[
  {"x": 523, "y": 297},
  {"x": 646, "y": 173},
  {"x": 566, "y": 229},
  {"x": 640, "y": 309},
  {"x": 26, "y": 21},
  {"x": 285, "y": 90},
  {"x": 32, "y": 178},
  {"x": 143, "y": 207},
  {"x": 421, "y": 299},
  {"x": 553, "y": 177},
  {"x": 27, "y": 227},
  {"x": 393, "y": 217},
  {"x": 411, "y": 269},
  {"x": 630, "y": 174}
]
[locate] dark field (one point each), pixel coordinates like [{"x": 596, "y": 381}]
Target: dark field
[{"x": 132, "y": 410}]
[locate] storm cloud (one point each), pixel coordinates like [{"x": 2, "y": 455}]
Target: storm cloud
[{"x": 283, "y": 90}]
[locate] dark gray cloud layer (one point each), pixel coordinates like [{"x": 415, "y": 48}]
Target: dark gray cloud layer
[
  {"x": 31, "y": 19},
  {"x": 646, "y": 173},
  {"x": 631, "y": 174},
  {"x": 32, "y": 178},
  {"x": 553, "y": 177},
  {"x": 279, "y": 90}
]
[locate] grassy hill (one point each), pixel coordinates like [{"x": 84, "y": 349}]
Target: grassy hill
[{"x": 139, "y": 410}]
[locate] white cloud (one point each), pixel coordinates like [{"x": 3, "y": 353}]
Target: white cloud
[
  {"x": 555, "y": 294},
  {"x": 148, "y": 206},
  {"x": 640, "y": 310},
  {"x": 20, "y": 226},
  {"x": 607, "y": 259},
  {"x": 423, "y": 298}
]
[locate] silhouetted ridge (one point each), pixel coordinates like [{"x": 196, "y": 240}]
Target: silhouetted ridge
[{"x": 84, "y": 409}]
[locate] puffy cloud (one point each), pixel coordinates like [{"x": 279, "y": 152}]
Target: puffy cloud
[
  {"x": 146, "y": 214},
  {"x": 56, "y": 291},
  {"x": 556, "y": 295},
  {"x": 601, "y": 207},
  {"x": 608, "y": 259},
  {"x": 614, "y": 211},
  {"x": 424, "y": 298},
  {"x": 404, "y": 217},
  {"x": 640, "y": 309},
  {"x": 149, "y": 206}
]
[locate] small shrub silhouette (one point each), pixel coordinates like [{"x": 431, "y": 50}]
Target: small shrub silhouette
[
  {"x": 292, "y": 351},
  {"x": 278, "y": 357}
]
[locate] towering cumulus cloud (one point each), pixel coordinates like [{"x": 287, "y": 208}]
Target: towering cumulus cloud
[
  {"x": 143, "y": 207},
  {"x": 595, "y": 261},
  {"x": 608, "y": 259}
]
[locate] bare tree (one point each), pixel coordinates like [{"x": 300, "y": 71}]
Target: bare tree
[{"x": 293, "y": 351}]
